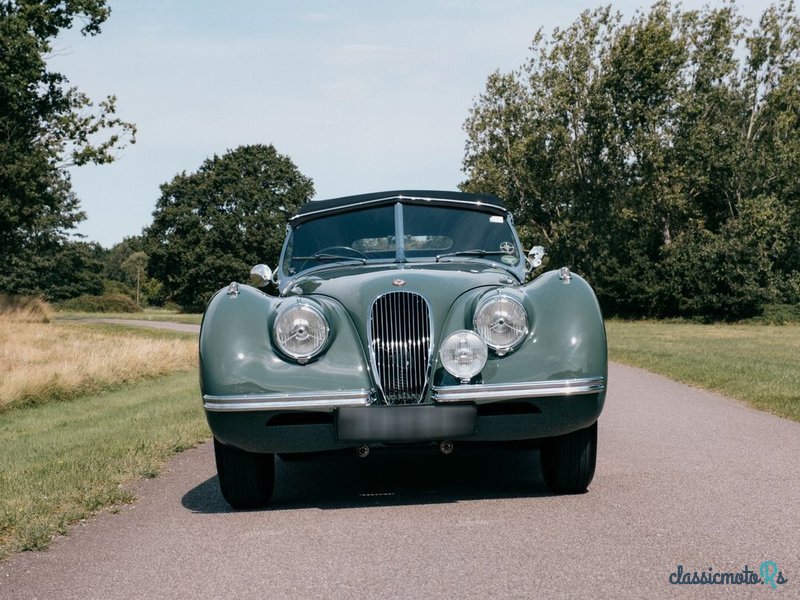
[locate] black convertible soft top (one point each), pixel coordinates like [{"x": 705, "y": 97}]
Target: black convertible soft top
[{"x": 314, "y": 208}]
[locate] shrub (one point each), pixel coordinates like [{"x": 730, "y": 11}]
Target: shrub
[
  {"x": 111, "y": 286},
  {"x": 779, "y": 314},
  {"x": 29, "y": 309},
  {"x": 713, "y": 276},
  {"x": 104, "y": 303}
]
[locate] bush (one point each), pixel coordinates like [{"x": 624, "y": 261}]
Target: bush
[
  {"x": 29, "y": 309},
  {"x": 104, "y": 303},
  {"x": 112, "y": 287},
  {"x": 712, "y": 276},
  {"x": 778, "y": 314}
]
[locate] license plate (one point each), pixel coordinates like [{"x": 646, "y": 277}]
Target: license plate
[{"x": 405, "y": 423}]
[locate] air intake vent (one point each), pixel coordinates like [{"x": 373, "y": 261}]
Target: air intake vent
[{"x": 400, "y": 342}]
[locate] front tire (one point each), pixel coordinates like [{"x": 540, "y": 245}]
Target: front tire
[
  {"x": 246, "y": 479},
  {"x": 568, "y": 461}
]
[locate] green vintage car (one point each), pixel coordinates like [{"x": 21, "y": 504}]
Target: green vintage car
[{"x": 401, "y": 318}]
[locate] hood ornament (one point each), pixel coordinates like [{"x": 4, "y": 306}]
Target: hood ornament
[{"x": 398, "y": 283}]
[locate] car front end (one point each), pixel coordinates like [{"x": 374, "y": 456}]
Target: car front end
[{"x": 403, "y": 319}]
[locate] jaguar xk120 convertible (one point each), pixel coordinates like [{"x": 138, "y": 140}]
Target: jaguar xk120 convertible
[{"x": 402, "y": 318}]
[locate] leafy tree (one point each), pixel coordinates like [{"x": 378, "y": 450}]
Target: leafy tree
[
  {"x": 45, "y": 127},
  {"x": 212, "y": 226},
  {"x": 125, "y": 272},
  {"x": 134, "y": 267},
  {"x": 72, "y": 269},
  {"x": 647, "y": 153}
]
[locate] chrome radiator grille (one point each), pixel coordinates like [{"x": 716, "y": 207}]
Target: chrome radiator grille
[{"x": 400, "y": 342}]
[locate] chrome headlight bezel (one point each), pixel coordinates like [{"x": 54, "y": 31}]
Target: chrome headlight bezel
[
  {"x": 514, "y": 309},
  {"x": 313, "y": 325}
]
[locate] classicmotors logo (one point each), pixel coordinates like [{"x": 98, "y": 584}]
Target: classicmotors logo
[{"x": 768, "y": 573}]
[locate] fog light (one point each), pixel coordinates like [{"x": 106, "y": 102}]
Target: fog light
[{"x": 463, "y": 354}]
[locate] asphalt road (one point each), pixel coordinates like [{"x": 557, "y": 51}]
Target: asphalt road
[
  {"x": 185, "y": 327},
  {"x": 684, "y": 477}
]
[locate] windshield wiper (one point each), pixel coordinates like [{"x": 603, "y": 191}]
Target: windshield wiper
[
  {"x": 476, "y": 252},
  {"x": 329, "y": 256}
]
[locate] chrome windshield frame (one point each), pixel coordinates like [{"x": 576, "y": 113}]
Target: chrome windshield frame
[{"x": 517, "y": 270}]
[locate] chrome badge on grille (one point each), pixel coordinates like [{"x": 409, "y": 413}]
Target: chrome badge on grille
[{"x": 398, "y": 282}]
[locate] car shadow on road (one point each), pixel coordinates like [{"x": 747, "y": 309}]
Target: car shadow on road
[{"x": 391, "y": 479}]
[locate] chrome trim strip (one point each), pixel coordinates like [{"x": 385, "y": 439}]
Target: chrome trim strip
[
  {"x": 286, "y": 401},
  {"x": 491, "y": 392}
]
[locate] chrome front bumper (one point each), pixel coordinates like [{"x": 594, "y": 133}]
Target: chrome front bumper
[
  {"x": 479, "y": 394},
  {"x": 494, "y": 392},
  {"x": 287, "y": 401}
]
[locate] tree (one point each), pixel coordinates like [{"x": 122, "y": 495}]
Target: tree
[
  {"x": 212, "y": 226},
  {"x": 71, "y": 270},
  {"x": 135, "y": 266},
  {"x": 125, "y": 272},
  {"x": 640, "y": 151},
  {"x": 45, "y": 127}
]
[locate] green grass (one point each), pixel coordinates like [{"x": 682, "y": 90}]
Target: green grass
[
  {"x": 63, "y": 462},
  {"x": 146, "y": 315},
  {"x": 757, "y": 364}
]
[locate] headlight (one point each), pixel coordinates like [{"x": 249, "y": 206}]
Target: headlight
[
  {"x": 501, "y": 321},
  {"x": 300, "y": 331},
  {"x": 463, "y": 354}
]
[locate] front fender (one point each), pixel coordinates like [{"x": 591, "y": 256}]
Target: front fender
[
  {"x": 237, "y": 354},
  {"x": 566, "y": 338}
]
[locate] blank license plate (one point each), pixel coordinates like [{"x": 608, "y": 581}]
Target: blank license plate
[{"x": 405, "y": 423}]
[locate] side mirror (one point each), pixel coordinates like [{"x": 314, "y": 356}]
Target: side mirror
[
  {"x": 537, "y": 257},
  {"x": 260, "y": 276}
]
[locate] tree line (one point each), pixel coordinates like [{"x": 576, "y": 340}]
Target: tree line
[{"x": 656, "y": 156}]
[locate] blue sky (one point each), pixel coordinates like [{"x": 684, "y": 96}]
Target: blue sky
[{"x": 363, "y": 96}]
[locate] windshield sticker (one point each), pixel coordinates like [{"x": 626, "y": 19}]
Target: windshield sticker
[
  {"x": 507, "y": 248},
  {"x": 495, "y": 219}
]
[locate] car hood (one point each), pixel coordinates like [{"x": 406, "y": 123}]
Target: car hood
[{"x": 357, "y": 287}]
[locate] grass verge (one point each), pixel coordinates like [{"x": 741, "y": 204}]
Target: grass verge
[
  {"x": 63, "y": 462},
  {"x": 757, "y": 364},
  {"x": 46, "y": 362}
]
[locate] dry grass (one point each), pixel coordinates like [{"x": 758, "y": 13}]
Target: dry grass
[
  {"x": 24, "y": 309},
  {"x": 45, "y": 362}
]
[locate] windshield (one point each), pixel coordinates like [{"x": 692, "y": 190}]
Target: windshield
[{"x": 424, "y": 232}]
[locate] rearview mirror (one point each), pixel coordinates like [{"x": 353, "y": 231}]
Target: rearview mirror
[
  {"x": 537, "y": 257},
  {"x": 260, "y": 276}
]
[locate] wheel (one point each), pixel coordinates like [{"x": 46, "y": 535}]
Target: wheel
[
  {"x": 568, "y": 461},
  {"x": 246, "y": 479}
]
